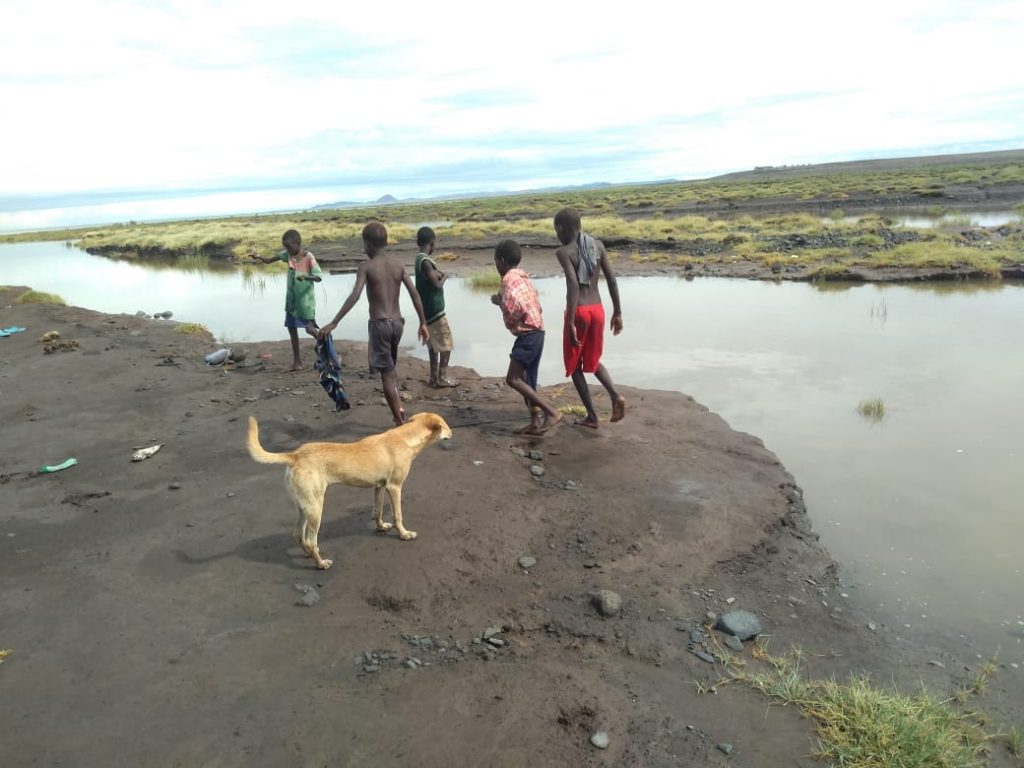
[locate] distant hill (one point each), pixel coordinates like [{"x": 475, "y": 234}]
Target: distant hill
[
  {"x": 881, "y": 164},
  {"x": 387, "y": 199}
]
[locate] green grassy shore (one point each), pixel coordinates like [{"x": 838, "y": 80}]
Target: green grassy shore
[{"x": 820, "y": 220}]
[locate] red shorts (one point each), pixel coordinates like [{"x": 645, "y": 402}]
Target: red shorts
[{"x": 590, "y": 332}]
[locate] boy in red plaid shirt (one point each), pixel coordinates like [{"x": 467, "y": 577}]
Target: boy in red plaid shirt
[{"x": 520, "y": 308}]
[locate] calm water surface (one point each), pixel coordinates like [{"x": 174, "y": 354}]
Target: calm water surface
[{"x": 924, "y": 509}]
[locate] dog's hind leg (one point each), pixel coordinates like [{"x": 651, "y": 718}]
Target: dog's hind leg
[
  {"x": 310, "y": 501},
  {"x": 378, "y": 509},
  {"x": 395, "y": 494}
]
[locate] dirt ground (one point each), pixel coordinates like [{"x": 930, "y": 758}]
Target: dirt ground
[{"x": 150, "y": 608}]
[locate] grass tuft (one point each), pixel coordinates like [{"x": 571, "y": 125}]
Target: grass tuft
[
  {"x": 861, "y": 726},
  {"x": 1015, "y": 743},
  {"x": 39, "y": 297},
  {"x": 872, "y": 409},
  {"x": 192, "y": 329},
  {"x": 485, "y": 281}
]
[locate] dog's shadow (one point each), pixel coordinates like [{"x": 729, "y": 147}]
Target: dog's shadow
[{"x": 355, "y": 520}]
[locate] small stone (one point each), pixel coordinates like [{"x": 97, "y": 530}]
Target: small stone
[
  {"x": 608, "y": 603},
  {"x": 795, "y": 601},
  {"x": 535, "y": 456},
  {"x": 696, "y": 636},
  {"x": 371, "y": 668},
  {"x": 526, "y": 562},
  {"x": 600, "y": 740},
  {"x": 173, "y": 486},
  {"x": 569, "y": 485},
  {"x": 497, "y": 642},
  {"x": 733, "y": 643},
  {"x": 724, "y": 748},
  {"x": 872, "y": 626},
  {"x": 938, "y": 664},
  {"x": 703, "y": 655},
  {"x": 491, "y": 632},
  {"x": 231, "y": 495},
  {"x": 310, "y": 596},
  {"x": 519, "y": 452},
  {"x": 711, "y": 616},
  {"x": 743, "y": 624},
  {"x": 730, "y": 600},
  {"x": 536, "y": 470}
]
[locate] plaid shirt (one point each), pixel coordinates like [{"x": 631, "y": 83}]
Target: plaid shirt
[{"x": 520, "y": 305}]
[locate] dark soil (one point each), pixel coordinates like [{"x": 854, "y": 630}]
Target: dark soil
[{"x": 150, "y": 607}]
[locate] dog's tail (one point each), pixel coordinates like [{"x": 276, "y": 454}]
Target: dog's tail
[{"x": 260, "y": 455}]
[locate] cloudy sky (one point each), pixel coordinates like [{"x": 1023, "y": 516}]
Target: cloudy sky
[{"x": 124, "y": 104}]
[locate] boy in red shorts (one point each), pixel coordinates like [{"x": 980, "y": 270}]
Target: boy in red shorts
[{"x": 583, "y": 258}]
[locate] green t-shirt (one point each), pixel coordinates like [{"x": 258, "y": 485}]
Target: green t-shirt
[
  {"x": 300, "y": 300},
  {"x": 431, "y": 295}
]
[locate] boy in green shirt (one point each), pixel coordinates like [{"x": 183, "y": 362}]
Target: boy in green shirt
[
  {"x": 430, "y": 286},
  {"x": 300, "y": 299}
]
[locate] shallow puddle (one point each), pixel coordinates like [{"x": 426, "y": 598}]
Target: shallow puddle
[{"x": 923, "y": 506}]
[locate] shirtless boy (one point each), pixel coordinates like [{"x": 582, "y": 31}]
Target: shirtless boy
[
  {"x": 383, "y": 276},
  {"x": 583, "y": 259}
]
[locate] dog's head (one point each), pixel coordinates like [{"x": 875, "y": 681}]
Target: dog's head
[{"x": 438, "y": 427}]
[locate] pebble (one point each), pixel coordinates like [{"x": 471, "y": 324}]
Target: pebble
[
  {"x": 730, "y": 600},
  {"x": 938, "y": 664},
  {"x": 733, "y": 643},
  {"x": 535, "y": 456},
  {"x": 569, "y": 485},
  {"x": 497, "y": 642},
  {"x": 519, "y": 452},
  {"x": 608, "y": 603},
  {"x": 743, "y": 624},
  {"x": 231, "y": 495},
  {"x": 711, "y": 616},
  {"x": 526, "y": 562},
  {"x": 173, "y": 486},
  {"x": 703, "y": 655},
  {"x": 600, "y": 740},
  {"x": 724, "y": 748},
  {"x": 536, "y": 470},
  {"x": 872, "y": 626},
  {"x": 696, "y": 636},
  {"x": 310, "y": 596},
  {"x": 371, "y": 668},
  {"x": 491, "y": 632}
]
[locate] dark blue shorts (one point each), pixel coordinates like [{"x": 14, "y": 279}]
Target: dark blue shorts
[
  {"x": 527, "y": 351},
  {"x": 291, "y": 321}
]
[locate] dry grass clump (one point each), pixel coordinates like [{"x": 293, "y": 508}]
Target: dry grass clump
[
  {"x": 39, "y": 297},
  {"x": 872, "y": 409},
  {"x": 192, "y": 329}
]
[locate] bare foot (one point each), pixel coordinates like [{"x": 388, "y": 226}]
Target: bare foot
[
  {"x": 444, "y": 384},
  {"x": 618, "y": 408},
  {"x": 587, "y": 422},
  {"x": 295, "y": 367},
  {"x": 531, "y": 429},
  {"x": 551, "y": 421}
]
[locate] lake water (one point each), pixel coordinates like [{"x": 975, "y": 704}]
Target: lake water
[{"x": 924, "y": 509}]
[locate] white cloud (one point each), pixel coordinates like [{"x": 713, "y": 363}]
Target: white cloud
[{"x": 193, "y": 94}]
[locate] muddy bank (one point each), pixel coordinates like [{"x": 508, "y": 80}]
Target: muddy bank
[{"x": 150, "y": 607}]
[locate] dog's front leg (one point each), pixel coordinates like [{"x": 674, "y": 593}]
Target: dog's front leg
[
  {"x": 378, "y": 509},
  {"x": 395, "y": 493}
]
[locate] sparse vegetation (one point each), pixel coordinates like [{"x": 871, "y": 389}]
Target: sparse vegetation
[
  {"x": 1015, "y": 743},
  {"x": 872, "y": 409},
  {"x": 485, "y": 281},
  {"x": 859, "y": 725},
  {"x": 192, "y": 329},
  {"x": 39, "y": 297}
]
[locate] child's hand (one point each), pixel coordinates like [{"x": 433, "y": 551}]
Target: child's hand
[
  {"x": 572, "y": 335},
  {"x": 495, "y": 299},
  {"x": 424, "y": 334},
  {"x": 616, "y": 324}
]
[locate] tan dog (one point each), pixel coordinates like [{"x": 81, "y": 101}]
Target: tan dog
[{"x": 380, "y": 462}]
